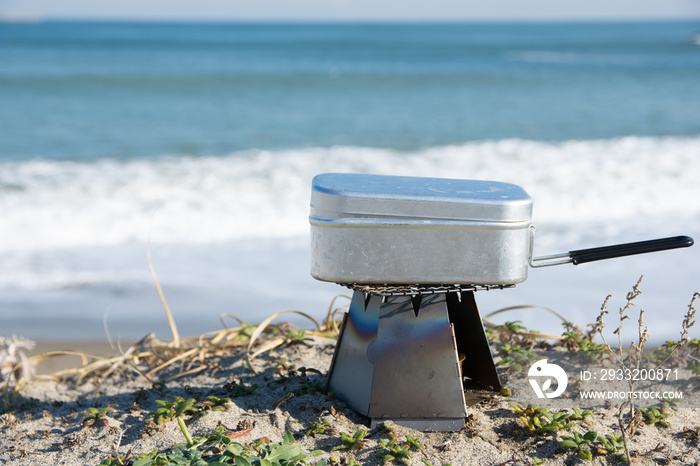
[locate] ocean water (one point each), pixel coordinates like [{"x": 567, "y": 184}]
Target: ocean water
[{"x": 204, "y": 138}]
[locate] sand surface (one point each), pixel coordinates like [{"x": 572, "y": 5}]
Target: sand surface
[{"x": 46, "y": 424}]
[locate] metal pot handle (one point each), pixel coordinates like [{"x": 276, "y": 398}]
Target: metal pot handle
[{"x": 581, "y": 256}]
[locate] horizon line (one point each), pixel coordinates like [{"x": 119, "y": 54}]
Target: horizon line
[{"x": 11, "y": 17}]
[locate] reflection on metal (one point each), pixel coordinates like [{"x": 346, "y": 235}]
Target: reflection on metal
[
  {"x": 398, "y": 359},
  {"x": 416, "y": 368},
  {"x": 351, "y": 372}
]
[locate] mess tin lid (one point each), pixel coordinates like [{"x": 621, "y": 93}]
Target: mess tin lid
[{"x": 336, "y": 195}]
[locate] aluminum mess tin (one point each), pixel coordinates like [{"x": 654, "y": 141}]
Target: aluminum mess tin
[{"x": 374, "y": 229}]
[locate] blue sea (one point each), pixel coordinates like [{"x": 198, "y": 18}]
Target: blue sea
[{"x": 203, "y": 139}]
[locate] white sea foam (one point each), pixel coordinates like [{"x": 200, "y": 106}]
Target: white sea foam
[
  {"x": 54, "y": 205},
  {"x": 228, "y": 230}
]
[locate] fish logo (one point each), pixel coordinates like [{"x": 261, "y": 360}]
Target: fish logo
[{"x": 542, "y": 368}]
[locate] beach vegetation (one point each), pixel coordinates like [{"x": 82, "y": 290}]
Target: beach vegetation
[
  {"x": 508, "y": 332},
  {"x": 352, "y": 442},
  {"x": 151, "y": 358},
  {"x": 308, "y": 388},
  {"x": 296, "y": 335},
  {"x": 343, "y": 461},
  {"x": 213, "y": 403},
  {"x": 580, "y": 443},
  {"x": 282, "y": 365},
  {"x": 654, "y": 416},
  {"x": 219, "y": 449},
  {"x": 541, "y": 420},
  {"x": 180, "y": 408},
  {"x": 574, "y": 339},
  {"x": 413, "y": 443},
  {"x": 171, "y": 409},
  {"x": 389, "y": 428},
  {"x": 611, "y": 444},
  {"x": 236, "y": 390},
  {"x": 391, "y": 451},
  {"x": 96, "y": 416},
  {"x": 589, "y": 444},
  {"x": 633, "y": 358},
  {"x": 670, "y": 355},
  {"x": 320, "y": 428},
  {"x": 516, "y": 358},
  {"x": 286, "y": 453},
  {"x": 578, "y": 414},
  {"x": 515, "y": 333}
]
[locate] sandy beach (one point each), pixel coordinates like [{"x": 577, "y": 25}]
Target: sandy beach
[{"x": 48, "y": 421}]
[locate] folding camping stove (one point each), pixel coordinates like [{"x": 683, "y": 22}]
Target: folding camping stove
[
  {"x": 407, "y": 352},
  {"x": 404, "y": 354}
]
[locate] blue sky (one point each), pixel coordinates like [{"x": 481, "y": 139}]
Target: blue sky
[{"x": 379, "y": 10}]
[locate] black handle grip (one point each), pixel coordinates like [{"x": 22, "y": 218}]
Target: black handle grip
[{"x": 628, "y": 249}]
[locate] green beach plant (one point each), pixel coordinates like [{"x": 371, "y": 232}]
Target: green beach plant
[
  {"x": 589, "y": 444},
  {"x": 218, "y": 449},
  {"x": 516, "y": 358},
  {"x": 236, "y": 390},
  {"x": 320, "y": 428},
  {"x": 580, "y": 443},
  {"x": 389, "y": 428},
  {"x": 391, "y": 451},
  {"x": 654, "y": 416},
  {"x": 189, "y": 407},
  {"x": 573, "y": 339},
  {"x": 580, "y": 414},
  {"x": 169, "y": 410},
  {"x": 540, "y": 420},
  {"x": 611, "y": 444},
  {"x": 213, "y": 403},
  {"x": 95, "y": 416},
  {"x": 308, "y": 388},
  {"x": 352, "y": 443}
]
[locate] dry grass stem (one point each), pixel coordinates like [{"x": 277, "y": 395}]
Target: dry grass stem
[
  {"x": 150, "y": 358},
  {"x": 688, "y": 322},
  {"x": 171, "y": 320},
  {"x": 632, "y": 358},
  {"x": 277, "y": 342},
  {"x": 626, "y": 359}
]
